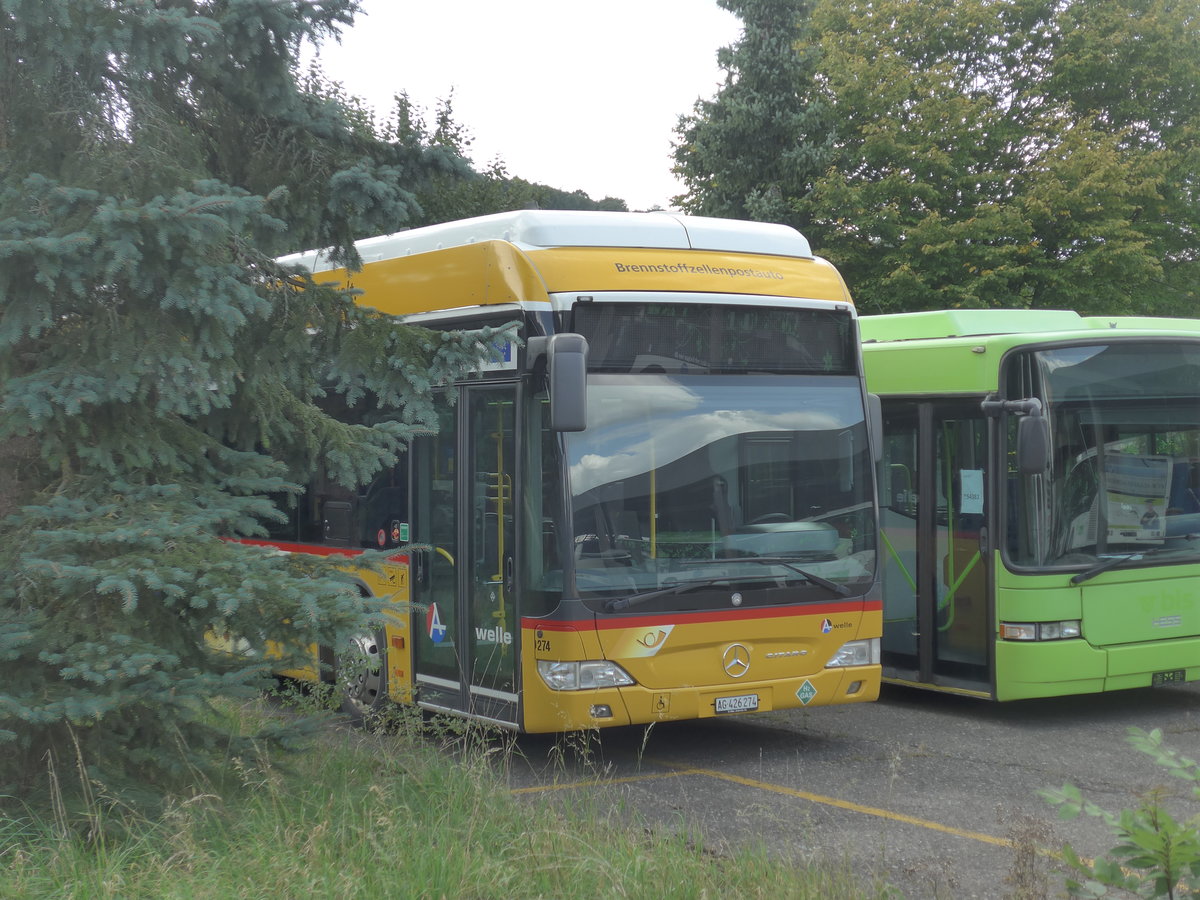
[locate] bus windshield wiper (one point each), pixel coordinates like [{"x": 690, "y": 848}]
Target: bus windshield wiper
[
  {"x": 620, "y": 603},
  {"x": 839, "y": 589},
  {"x": 786, "y": 562},
  {"x": 1115, "y": 562},
  {"x": 1105, "y": 564}
]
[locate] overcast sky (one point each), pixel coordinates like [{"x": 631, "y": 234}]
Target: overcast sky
[{"x": 575, "y": 96}]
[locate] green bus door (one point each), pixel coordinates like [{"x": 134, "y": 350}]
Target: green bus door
[{"x": 936, "y": 607}]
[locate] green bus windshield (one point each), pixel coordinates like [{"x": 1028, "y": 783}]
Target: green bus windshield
[{"x": 1123, "y": 478}]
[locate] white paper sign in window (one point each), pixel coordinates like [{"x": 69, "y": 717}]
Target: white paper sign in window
[{"x": 971, "y": 502}]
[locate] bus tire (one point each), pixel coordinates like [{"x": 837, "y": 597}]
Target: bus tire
[{"x": 361, "y": 675}]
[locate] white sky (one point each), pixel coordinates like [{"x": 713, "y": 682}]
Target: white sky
[{"x": 575, "y": 96}]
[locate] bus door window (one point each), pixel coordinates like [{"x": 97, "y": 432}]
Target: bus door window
[
  {"x": 540, "y": 567},
  {"x": 492, "y": 626},
  {"x": 900, "y": 498},
  {"x": 935, "y": 576},
  {"x": 435, "y": 590},
  {"x": 963, "y": 630}
]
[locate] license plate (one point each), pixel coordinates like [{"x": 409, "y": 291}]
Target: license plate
[
  {"x": 1175, "y": 676},
  {"x": 740, "y": 703}
]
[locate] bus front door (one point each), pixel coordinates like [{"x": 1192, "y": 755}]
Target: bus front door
[
  {"x": 464, "y": 619},
  {"x": 936, "y": 577},
  {"x": 491, "y": 610}
]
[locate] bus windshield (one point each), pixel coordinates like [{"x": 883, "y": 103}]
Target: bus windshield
[
  {"x": 699, "y": 492},
  {"x": 1123, "y": 482}
]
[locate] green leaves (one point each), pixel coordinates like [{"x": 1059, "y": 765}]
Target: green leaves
[
  {"x": 162, "y": 378},
  {"x": 969, "y": 154},
  {"x": 1156, "y": 854}
]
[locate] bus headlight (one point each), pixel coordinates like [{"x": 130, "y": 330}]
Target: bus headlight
[
  {"x": 1040, "y": 631},
  {"x": 585, "y": 675},
  {"x": 856, "y": 653}
]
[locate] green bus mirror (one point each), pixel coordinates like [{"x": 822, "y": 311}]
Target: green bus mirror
[{"x": 1033, "y": 443}]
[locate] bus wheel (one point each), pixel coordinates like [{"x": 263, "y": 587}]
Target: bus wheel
[{"x": 362, "y": 675}]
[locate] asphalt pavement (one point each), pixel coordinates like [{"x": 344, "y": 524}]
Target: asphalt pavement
[{"x": 933, "y": 794}]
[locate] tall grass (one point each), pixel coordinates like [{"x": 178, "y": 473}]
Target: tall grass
[{"x": 382, "y": 815}]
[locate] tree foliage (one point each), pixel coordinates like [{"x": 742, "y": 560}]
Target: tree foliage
[
  {"x": 477, "y": 191},
  {"x": 999, "y": 153},
  {"x": 161, "y": 375},
  {"x": 760, "y": 144}
]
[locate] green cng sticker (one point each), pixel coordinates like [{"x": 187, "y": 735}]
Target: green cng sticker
[{"x": 806, "y": 692}]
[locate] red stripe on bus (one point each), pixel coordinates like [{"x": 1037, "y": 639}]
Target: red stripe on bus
[
  {"x": 683, "y": 618},
  {"x": 312, "y": 549}
]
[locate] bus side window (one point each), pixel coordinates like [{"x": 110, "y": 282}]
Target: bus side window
[
  {"x": 337, "y": 516},
  {"x": 383, "y": 514},
  {"x": 900, "y": 490},
  {"x": 384, "y": 511}
]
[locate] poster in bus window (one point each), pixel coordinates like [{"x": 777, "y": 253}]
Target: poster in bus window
[{"x": 1137, "y": 492}]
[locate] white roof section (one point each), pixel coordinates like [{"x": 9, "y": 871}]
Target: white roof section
[{"x": 540, "y": 229}]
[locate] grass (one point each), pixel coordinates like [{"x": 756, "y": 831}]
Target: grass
[{"x": 365, "y": 815}]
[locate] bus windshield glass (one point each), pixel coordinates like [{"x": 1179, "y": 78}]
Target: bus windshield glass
[
  {"x": 699, "y": 492},
  {"x": 1123, "y": 481}
]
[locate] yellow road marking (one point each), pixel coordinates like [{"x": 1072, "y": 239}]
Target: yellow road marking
[
  {"x": 679, "y": 770},
  {"x": 842, "y": 804}
]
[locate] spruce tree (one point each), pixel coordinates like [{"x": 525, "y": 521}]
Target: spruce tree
[
  {"x": 161, "y": 376},
  {"x": 761, "y": 142}
]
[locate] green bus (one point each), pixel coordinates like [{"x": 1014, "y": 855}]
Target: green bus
[{"x": 1040, "y": 500}]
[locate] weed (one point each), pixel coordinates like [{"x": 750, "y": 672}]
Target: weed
[
  {"x": 1157, "y": 856},
  {"x": 390, "y": 812},
  {"x": 1029, "y": 876}
]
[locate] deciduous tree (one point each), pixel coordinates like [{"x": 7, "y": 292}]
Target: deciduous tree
[
  {"x": 1021, "y": 153},
  {"x": 974, "y": 168}
]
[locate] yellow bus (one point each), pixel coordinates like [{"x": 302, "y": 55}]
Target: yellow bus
[{"x": 657, "y": 504}]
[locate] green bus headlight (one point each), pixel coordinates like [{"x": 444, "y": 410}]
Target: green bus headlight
[{"x": 1040, "y": 631}]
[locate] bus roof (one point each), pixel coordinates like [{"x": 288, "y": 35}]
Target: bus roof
[
  {"x": 954, "y": 323},
  {"x": 961, "y": 350},
  {"x": 949, "y": 323},
  {"x": 541, "y": 229}
]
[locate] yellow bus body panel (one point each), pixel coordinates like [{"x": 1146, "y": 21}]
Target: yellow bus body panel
[
  {"x": 483, "y": 274},
  {"x": 393, "y": 585},
  {"x": 496, "y": 272},
  {"x": 680, "y": 670},
  {"x": 643, "y": 269}
]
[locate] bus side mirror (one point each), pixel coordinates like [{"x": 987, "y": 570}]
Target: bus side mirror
[
  {"x": 566, "y": 371},
  {"x": 1033, "y": 431},
  {"x": 1033, "y": 443}
]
